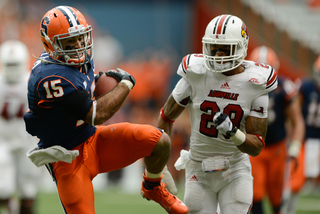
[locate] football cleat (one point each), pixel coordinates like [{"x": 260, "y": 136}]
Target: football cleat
[{"x": 161, "y": 195}]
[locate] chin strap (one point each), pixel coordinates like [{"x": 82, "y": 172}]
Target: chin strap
[{"x": 46, "y": 61}]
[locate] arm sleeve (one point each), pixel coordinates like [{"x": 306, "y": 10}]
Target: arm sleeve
[{"x": 76, "y": 104}]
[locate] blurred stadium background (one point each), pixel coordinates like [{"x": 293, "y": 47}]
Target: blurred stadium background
[{"x": 149, "y": 38}]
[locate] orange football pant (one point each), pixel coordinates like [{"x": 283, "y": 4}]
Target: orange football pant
[
  {"x": 268, "y": 173},
  {"x": 112, "y": 147}
]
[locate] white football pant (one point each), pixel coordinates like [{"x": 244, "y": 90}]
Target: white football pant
[{"x": 233, "y": 189}]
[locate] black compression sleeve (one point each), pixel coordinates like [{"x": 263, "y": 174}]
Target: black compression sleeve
[{"x": 77, "y": 104}]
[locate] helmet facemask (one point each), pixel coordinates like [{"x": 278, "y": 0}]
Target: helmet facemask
[{"x": 70, "y": 56}]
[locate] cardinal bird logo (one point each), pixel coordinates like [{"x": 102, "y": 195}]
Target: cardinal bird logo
[{"x": 244, "y": 31}]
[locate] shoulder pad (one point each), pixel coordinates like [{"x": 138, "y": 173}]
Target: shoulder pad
[
  {"x": 191, "y": 63},
  {"x": 262, "y": 74}
]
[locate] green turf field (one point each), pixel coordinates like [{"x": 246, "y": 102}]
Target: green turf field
[
  {"x": 116, "y": 202},
  {"x": 109, "y": 202}
]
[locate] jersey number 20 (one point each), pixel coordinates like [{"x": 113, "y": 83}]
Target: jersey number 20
[{"x": 235, "y": 113}]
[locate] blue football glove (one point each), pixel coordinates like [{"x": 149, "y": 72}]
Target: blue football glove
[{"x": 222, "y": 122}]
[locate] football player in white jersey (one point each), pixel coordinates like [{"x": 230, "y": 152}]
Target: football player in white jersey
[
  {"x": 227, "y": 98},
  {"x": 18, "y": 176}
]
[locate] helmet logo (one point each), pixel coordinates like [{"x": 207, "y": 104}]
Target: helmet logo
[
  {"x": 44, "y": 25},
  {"x": 244, "y": 31}
]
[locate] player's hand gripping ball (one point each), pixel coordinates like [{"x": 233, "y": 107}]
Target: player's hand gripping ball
[{"x": 104, "y": 84}]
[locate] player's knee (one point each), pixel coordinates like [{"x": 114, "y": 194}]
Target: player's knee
[{"x": 164, "y": 144}]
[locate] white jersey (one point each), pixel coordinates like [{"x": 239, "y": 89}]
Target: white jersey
[
  {"x": 20, "y": 175},
  {"x": 13, "y": 105},
  {"x": 206, "y": 92}
]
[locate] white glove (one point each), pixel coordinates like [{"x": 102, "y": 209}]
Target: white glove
[
  {"x": 167, "y": 178},
  {"x": 222, "y": 122}
]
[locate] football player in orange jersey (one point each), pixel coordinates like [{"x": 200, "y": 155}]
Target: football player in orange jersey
[
  {"x": 268, "y": 169},
  {"x": 227, "y": 98},
  {"x": 66, "y": 117}
]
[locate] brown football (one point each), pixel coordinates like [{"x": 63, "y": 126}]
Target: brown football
[{"x": 104, "y": 85}]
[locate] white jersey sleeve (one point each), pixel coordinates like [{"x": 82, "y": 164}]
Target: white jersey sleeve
[
  {"x": 259, "y": 107},
  {"x": 182, "y": 92}
]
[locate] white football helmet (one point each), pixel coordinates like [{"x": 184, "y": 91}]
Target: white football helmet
[
  {"x": 266, "y": 55},
  {"x": 316, "y": 71},
  {"x": 14, "y": 57},
  {"x": 225, "y": 30}
]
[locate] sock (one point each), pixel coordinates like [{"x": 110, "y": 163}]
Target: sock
[
  {"x": 150, "y": 185},
  {"x": 151, "y": 180}
]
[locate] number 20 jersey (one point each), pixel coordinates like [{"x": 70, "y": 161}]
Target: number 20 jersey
[{"x": 206, "y": 92}]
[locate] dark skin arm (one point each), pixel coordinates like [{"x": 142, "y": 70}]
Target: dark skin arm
[
  {"x": 254, "y": 125},
  {"x": 108, "y": 104},
  {"x": 253, "y": 145}
]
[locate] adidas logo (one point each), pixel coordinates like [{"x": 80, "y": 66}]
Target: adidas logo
[
  {"x": 193, "y": 178},
  {"x": 225, "y": 86}
]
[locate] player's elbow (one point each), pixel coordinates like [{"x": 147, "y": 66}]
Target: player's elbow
[
  {"x": 253, "y": 150},
  {"x": 256, "y": 150}
]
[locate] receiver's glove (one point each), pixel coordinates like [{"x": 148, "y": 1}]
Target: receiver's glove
[
  {"x": 222, "y": 122},
  {"x": 123, "y": 76},
  {"x": 97, "y": 76}
]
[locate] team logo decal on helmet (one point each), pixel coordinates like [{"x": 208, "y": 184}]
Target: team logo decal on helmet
[
  {"x": 244, "y": 31},
  {"x": 44, "y": 24}
]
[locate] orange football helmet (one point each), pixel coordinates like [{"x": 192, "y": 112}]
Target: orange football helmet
[
  {"x": 265, "y": 55},
  {"x": 64, "y": 22}
]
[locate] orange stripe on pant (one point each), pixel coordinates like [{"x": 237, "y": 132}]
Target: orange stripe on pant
[{"x": 112, "y": 147}]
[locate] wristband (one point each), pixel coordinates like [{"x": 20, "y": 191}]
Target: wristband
[
  {"x": 164, "y": 117},
  {"x": 261, "y": 139},
  {"x": 128, "y": 83},
  {"x": 238, "y": 138}
]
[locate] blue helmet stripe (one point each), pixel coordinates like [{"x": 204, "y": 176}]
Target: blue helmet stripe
[{"x": 70, "y": 16}]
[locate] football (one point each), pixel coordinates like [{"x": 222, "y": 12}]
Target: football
[{"x": 104, "y": 85}]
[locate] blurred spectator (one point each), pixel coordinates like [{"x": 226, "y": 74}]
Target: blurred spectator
[
  {"x": 269, "y": 169},
  {"x": 18, "y": 176},
  {"x": 152, "y": 70},
  {"x": 108, "y": 51},
  {"x": 310, "y": 101}
]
